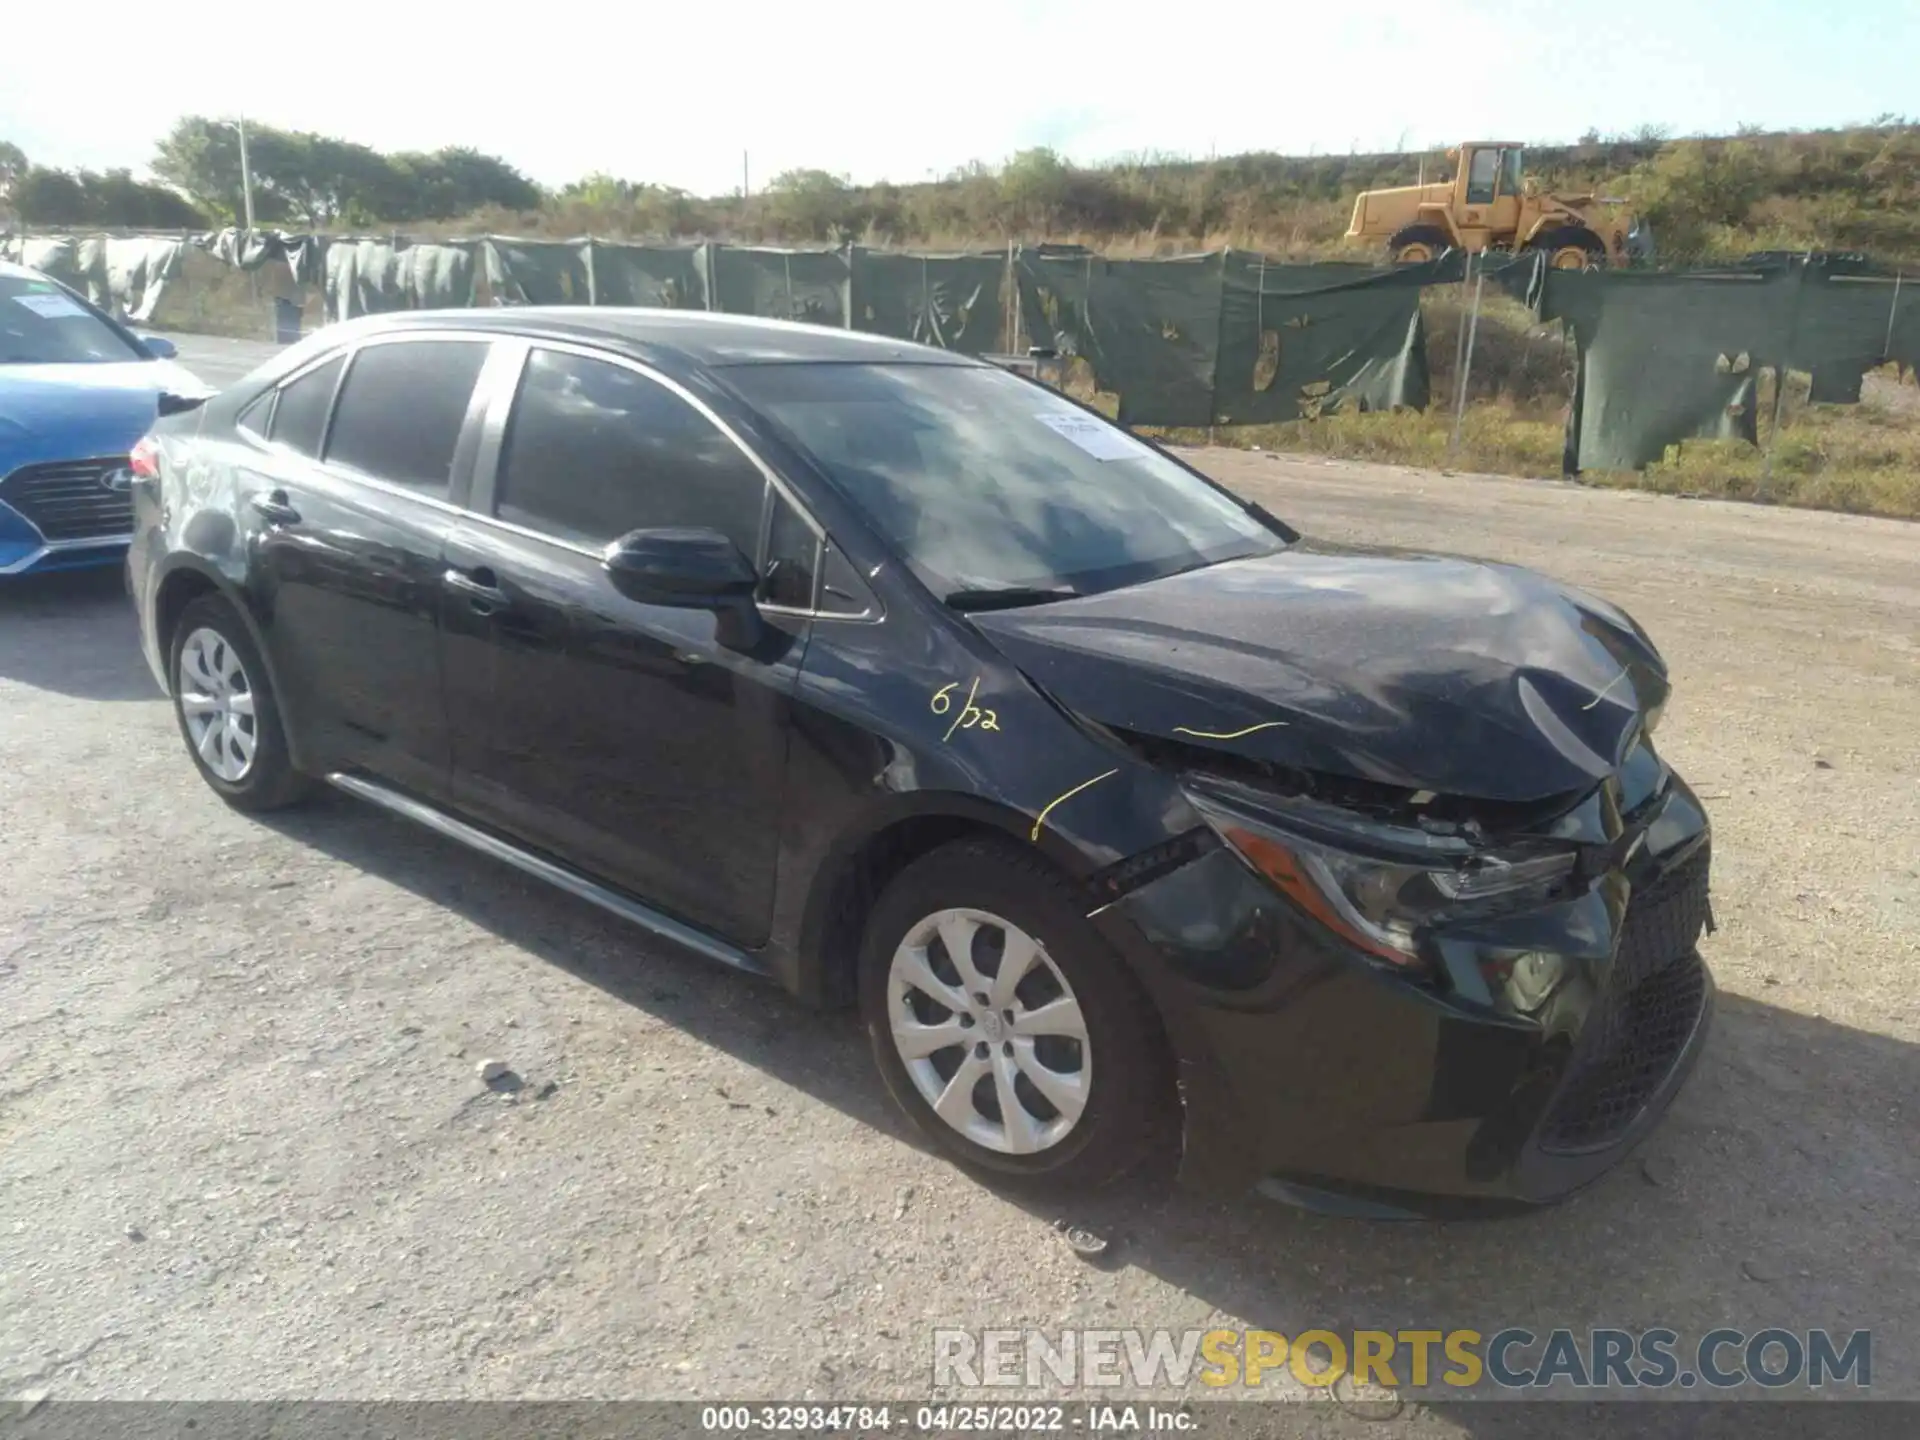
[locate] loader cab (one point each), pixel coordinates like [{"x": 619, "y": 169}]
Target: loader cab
[{"x": 1488, "y": 187}]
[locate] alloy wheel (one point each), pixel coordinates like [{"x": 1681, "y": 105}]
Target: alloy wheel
[
  {"x": 217, "y": 702},
  {"x": 990, "y": 1033}
]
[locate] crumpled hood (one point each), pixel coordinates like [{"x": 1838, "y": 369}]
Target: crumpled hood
[
  {"x": 70, "y": 412},
  {"x": 1467, "y": 679}
]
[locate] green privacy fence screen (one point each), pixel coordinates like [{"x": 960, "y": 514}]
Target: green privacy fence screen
[{"x": 1223, "y": 338}]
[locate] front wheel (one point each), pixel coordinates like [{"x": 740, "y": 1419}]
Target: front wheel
[
  {"x": 1416, "y": 245},
  {"x": 1004, "y": 1024},
  {"x": 226, "y": 710}
]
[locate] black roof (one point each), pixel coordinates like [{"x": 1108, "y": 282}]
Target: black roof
[{"x": 695, "y": 337}]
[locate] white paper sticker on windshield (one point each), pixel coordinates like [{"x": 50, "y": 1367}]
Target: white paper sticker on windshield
[
  {"x": 51, "y": 304},
  {"x": 1099, "y": 439}
]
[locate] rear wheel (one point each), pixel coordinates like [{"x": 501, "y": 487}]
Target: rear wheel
[
  {"x": 1005, "y": 1026},
  {"x": 226, "y": 709},
  {"x": 1416, "y": 244}
]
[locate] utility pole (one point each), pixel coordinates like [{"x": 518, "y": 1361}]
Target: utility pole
[
  {"x": 746, "y": 187},
  {"x": 246, "y": 175}
]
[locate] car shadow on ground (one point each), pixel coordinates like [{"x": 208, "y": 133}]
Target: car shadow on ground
[
  {"x": 1777, "y": 1192},
  {"x": 73, "y": 632}
]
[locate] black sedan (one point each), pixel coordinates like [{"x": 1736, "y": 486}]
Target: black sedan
[{"x": 1130, "y": 821}]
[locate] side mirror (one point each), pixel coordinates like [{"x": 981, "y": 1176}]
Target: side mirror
[
  {"x": 690, "y": 569},
  {"x": 158, "y": 347}
]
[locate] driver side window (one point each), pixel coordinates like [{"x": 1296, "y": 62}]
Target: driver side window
[{"x": 593, "y": 450}]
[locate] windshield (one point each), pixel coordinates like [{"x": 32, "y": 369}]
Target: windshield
[
  {"x": 1510, "y": 171},
  {"x": 985, "y": 481},
  {"x": 41, "y": 324}
]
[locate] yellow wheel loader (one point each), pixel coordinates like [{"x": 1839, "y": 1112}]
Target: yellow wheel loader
[{"x": 1489, "y": 204}]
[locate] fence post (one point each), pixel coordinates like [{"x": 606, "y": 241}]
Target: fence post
[
  {"x": 1460, "y": 334},
  {"x": 1010, "y": 313},
  {"x": 1466, "y": 363},
  {"x": 1780, "y": 372},
  {"x": 1886, "y": 350}
]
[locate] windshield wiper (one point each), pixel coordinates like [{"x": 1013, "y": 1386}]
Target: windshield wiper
[
  {"x": 1008, "y": 597},
  {"x": 1273, "y": 522}
]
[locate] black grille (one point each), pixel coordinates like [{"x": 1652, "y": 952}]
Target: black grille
[
  {"x": 1642, "y": 1022},
  {"x": 69, "y": 500}
]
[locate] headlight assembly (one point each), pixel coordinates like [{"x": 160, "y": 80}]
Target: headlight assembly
[{"x": 1377, "y": 886}]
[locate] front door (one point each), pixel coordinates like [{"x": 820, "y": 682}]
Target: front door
[
  {"x": 621, "y": 737},
  {"x": 1490, "y": 194},
  {"x": 351, "y": 499}
]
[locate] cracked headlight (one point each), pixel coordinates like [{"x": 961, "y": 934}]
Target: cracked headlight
[{"x": 1378, "y": 886}]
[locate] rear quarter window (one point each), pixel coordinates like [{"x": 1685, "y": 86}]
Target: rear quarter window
[{"x": 300, "y": 413}]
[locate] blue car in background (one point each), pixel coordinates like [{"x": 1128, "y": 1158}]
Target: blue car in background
[{"x": 77, "y": 389}]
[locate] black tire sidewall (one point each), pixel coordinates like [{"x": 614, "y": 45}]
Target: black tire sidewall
[
  {"x": 1124, "y": 1118},
  {"x": 272, "y": 781},
  {"x": 1428, "y": 235}
]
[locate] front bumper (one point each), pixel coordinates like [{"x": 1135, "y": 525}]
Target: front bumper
[
  {"x": 24, "y": 551},
  {"x": 60, "y": 515},
  {"x": 1552, "y": 1046}
]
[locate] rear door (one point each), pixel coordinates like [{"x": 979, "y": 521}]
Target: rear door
[
  {"x": 354, "y": 493},
  {"x": 619, "y": 736}
]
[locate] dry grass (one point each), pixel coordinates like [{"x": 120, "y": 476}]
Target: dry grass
[{"x": 1862, "y": 459}]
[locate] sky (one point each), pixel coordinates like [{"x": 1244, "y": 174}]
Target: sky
[{"x": 675, "y": 93}]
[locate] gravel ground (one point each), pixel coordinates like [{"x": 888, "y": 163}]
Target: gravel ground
[{"x": 245, "y": 1153}]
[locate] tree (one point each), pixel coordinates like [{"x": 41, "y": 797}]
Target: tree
[
  {"x": 457, "y": 181},
  {"x": 13, "y": 164},
  {"x": 813, "y": 205},
  {"x": 49, "y": 197},
  {"x": 321, "y": 180},
  {"x": 1034, "y": 186},
  {"x": 317, "y": 180},
  {"x": 114, "y": 200},
  {"x": 201, "y": 159}
]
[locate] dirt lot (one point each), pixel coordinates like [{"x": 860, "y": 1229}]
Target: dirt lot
[{"x": 244, "y": 1151}]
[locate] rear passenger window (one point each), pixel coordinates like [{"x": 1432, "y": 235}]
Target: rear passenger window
[
  {"x": 401, "y": 410},
  {"x": 594, "y": 450},
  {"x": 300, "y": 414}
]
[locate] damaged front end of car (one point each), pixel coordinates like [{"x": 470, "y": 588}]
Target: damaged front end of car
[{"x": 1419, "y": 1003}]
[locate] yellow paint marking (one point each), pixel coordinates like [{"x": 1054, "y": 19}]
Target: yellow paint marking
[
  {"x": 1040, "y": 819},
  {"x": 1227, "y": 735},
  {"x": 963, "y": 710}
]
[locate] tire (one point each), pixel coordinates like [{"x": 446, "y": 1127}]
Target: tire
[
  {"x": 1120, "y": 1071},
  {"x": 1417, "y": 244},
  {"x": 1571, "y": 247},
  {"x": 243, "y": 756}
]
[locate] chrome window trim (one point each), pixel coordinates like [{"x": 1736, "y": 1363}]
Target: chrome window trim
[
  {"x": 485, "y": 488},
  {"x": 499, "y": 381},
  {"x": 348, "y": 352}
]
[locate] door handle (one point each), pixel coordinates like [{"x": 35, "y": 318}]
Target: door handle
[
  {"x": 274, "y": 508},
  {"x": 478, "y": 585}
]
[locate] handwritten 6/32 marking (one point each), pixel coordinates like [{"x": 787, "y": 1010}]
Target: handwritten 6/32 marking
[{"x": 969, "y": 716}]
